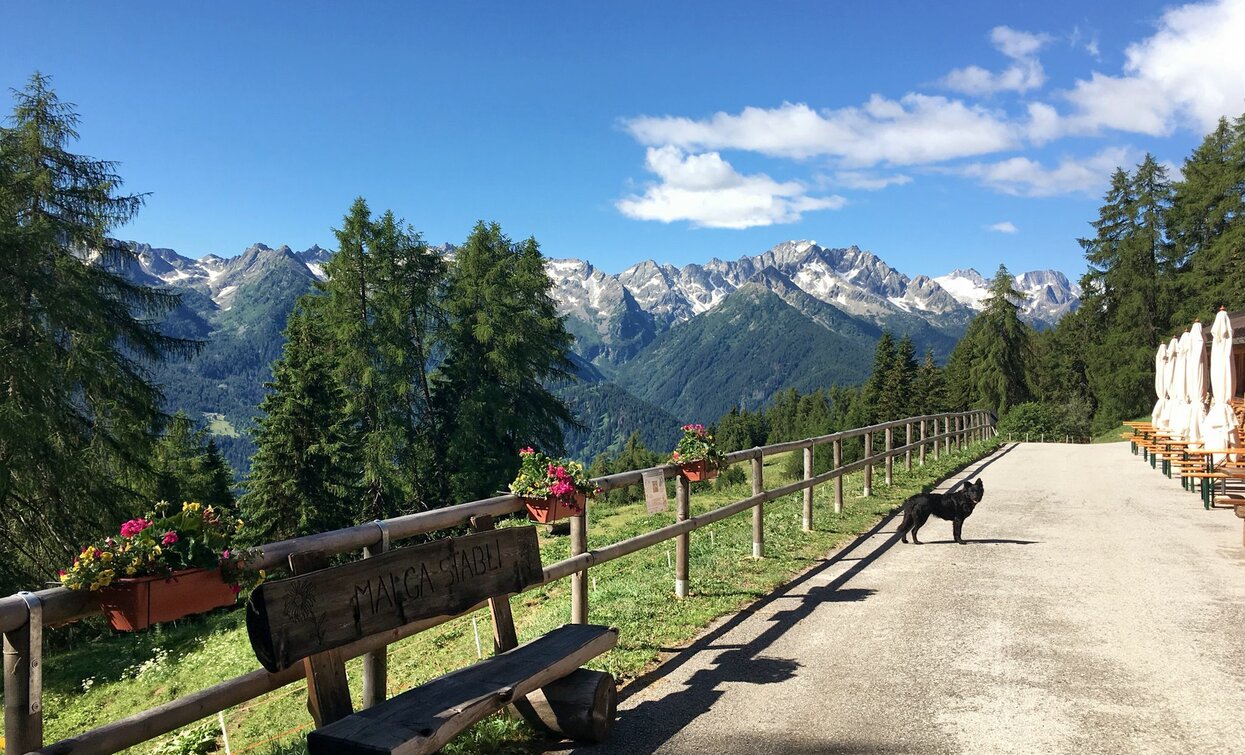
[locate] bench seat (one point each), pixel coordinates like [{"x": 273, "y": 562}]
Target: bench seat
[{"x": 425, "y": 718}]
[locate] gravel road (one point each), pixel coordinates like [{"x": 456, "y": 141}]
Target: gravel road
[{"x": 1097, "y": 609}]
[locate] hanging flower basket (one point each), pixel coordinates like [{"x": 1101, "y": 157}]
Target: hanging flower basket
[
  {"x": 546, "y": 510},
  {"x": 136, "y": 603},
  {"x": 698, "y": 471}
]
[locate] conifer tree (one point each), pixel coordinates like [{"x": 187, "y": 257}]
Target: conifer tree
[
  {"x": 896, "y": 401},
  {"x": 505, "y": 340},
  {"x": 77, "y": 414},
  {"x": 1004, "y": 347},
  {"x": 187, "y": 466},
  {"x": 929, "y": 392},
  {"x": 304, "y": 475},
  {"x": 875, "y": 400}
]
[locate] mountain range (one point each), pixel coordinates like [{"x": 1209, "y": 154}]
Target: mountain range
[{"x": 656, "y": 345}]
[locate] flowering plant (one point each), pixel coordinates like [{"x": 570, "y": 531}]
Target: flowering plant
[
  {"x": 696, "y": 445},
  {"x": 555, "y": 479},
  {"x": 160, "y": 543}
]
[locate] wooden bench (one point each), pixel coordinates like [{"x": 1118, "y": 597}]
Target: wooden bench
[{"x": 307, "y": 617}]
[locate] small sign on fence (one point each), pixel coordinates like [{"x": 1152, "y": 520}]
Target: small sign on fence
[{"x": 655, "y": 491}]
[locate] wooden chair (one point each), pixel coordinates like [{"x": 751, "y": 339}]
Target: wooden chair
[{"x": 307, "y": 617}]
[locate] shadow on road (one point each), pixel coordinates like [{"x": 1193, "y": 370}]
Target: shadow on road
[{"x": 646, "y": 727}]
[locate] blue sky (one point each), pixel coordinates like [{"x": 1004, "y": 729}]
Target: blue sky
[{"x": 937, "y": 135}]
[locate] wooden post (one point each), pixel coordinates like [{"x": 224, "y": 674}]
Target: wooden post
[
  {"x": 504, "y": 635},
  {"x": 838, "y": 481},
  {"x": 946, "y": 432},
  {"x": 890, "y": 445},
  {"x": 579, "y": 580},
  {"x": 868, "y": 464},
  {"x": 328, "y": 694},
  {"x": 923, "y": 443},
  {"x": 907, "y": 456},
  {"x": 376, "y": 663},
  {"x": 758, "y": 511},
  {"x": 808, "y": 492},
  {"x": 682, "y": 543},
  {"x": 23, "y": 682},
  {"x": 961, "y": 439}
]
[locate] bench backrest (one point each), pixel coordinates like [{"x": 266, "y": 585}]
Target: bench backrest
[{"x": 308, "y": 614}]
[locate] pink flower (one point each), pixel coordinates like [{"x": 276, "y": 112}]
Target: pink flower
[
  {"x": 560, "y": 473},
  {"x": 133, "y": 527},
  {"x": 526, "y": 451},
  {"x": 170, "y": 537},
  {"x": 235, "y": 589},
  {"x": 225, "y": 554}
]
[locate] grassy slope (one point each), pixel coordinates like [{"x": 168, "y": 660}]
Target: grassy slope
[
  {"x": 125, "y": 674},
  {"x": 1115, "y": 434}
]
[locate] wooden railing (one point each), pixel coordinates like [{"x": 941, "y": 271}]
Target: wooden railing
[{"x": 23, "y": 616}]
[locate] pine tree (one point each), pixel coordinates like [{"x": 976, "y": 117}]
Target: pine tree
[
  {"x": 897, "y": 401},
  {"x": 504, "y": 342},
  {"x": 1123, "y": 291},
  {"x": 1004, "y": 347},
  {"x": 78, "y": 416},
  {"x": 304, "y": 475},
  {"x": 876, "y": 402},
  {"x": 929, "y": 391},
  {"x": 187, "y": 466},
  {"x": 1207, "y": 225}
]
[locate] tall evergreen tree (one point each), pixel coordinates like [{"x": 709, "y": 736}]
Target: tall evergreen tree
[
  {"x": 876, "y": 402},
  {"x": 504, "y": 342},
  {"x": 897, "y": 401},
  {"x": 1123, "y": 290},
  {"x": 304, "y": 475},
  {"x": 77, "y": 413},
  {"x": 929, "y": 391},
  {"x": 1004, "y": 346},
  {"x": 187, "y": 466}
]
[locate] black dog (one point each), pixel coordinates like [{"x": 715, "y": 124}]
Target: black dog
[{"x": 955, "y": 507}]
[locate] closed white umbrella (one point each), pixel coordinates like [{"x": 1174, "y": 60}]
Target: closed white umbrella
[
  {"x": 1219, "y": 424},
  {"x": 1195, "y": 385},
  {"x": 1178, "y": 424},
  {"x": 1160, "y": 383},
  {"x": 1169, "y": 383}
]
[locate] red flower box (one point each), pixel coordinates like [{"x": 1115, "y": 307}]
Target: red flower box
[
  {"x": 136, "y": 603},
  {"x": 698, "y": 471},
  {"x": 546, "y": 510}
]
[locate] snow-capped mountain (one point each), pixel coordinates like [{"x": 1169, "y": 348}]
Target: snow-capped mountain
[
  {"x": 1048, "y": 293},
  {"x": 614, "y": 315}
]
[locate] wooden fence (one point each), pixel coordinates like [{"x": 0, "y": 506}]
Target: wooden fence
[{"x": 23, "y": 616}]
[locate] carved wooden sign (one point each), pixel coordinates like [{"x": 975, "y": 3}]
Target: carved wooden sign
[{"x": 290, "y": 619}]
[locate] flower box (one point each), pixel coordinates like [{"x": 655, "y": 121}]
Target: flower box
[
  {"x": 136, "y": 603},
  {"x": 546, "y": 510},
  {"x": 698, "y": 471}
]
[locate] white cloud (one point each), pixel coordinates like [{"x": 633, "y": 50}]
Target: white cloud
[
  {"x": 1017, "y": 44},
  {"x": 1006, "y": 226},
  {"x": 917, "y": 129},
  {"x": 1024, "y": 74},
  {"x": 1021, "y": 176},
  {"x": 708, "y": 192},
  {"x": 1188, "y": 73},
  {"x": 857, "y": 179}
]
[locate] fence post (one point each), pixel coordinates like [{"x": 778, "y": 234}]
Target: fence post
[
  {"x": 959, "y": 433},
  {"x": 808, "y": 492},
  {"x": 907, "y": 454},
  {"x": 758, "y": 511},
  {"x": 868, "y": 464},
  {"x": 923, "y": 443},
  {"x": 946, "y": 435},
  {"x": 23, "y": 682},
  {"x": 682, "y": 499},
  {"x": 579, "y": 580},
  {"x": 376, "y": 663},
  {"x": 838, "y": 481},
  {"x": 890, "y": 445}
]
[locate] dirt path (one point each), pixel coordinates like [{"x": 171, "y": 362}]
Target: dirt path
[{"x": 1099, "y": 609}]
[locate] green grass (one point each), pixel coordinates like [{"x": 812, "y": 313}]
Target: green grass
[
  {"x": 1114, "y": 435},
  {"x": 100, "y": 678},
  {"x": 218, "y": 425}
]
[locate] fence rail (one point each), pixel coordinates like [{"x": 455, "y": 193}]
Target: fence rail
[{"x": 23, "y": 616}]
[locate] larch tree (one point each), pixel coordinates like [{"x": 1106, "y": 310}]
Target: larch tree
[{"x": 78, "y": 414}]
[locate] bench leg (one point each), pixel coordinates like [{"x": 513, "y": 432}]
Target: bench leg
[{"x": 580, "y": 706}]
